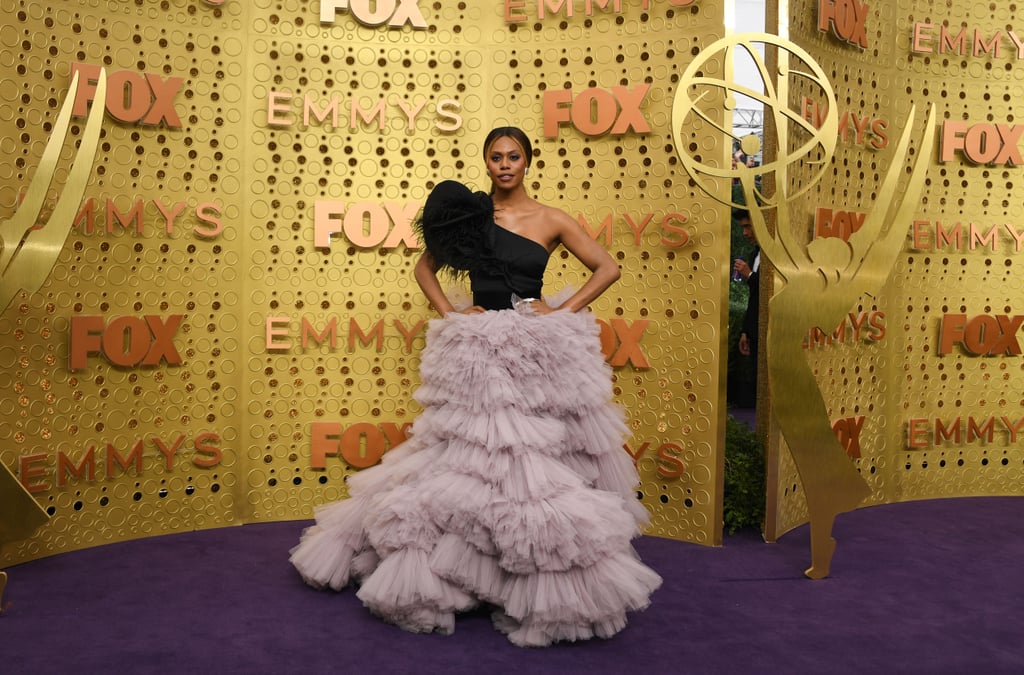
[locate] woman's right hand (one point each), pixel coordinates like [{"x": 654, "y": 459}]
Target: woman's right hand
[
  {"x": 741, "y": 268},
  {"x": 473, "y": 309}
]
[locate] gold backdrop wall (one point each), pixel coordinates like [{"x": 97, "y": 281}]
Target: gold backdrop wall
[
  {"x": 923, "y": 382},
  {"x": 232, "y": 327}
]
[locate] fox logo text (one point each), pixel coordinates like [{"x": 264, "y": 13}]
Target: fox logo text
[
  {"x": 981, "y": 335},
  {"x": 981, "y": 143},
  {"x": 596, "y": 111},
  {"x": 126, "y": 341},
  {"x": 131, "y": 97},
  {"x": 394, "y": 13},
  {"x": 848, "y": 19}
]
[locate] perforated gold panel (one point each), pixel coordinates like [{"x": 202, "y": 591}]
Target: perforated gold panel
[
  {"x": 923, "y": 381},
  {"x": 233, "y": 326}
]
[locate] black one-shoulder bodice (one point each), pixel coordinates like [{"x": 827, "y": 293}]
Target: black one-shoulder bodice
[
  {"x": 525, "y": 261},
  {"x": 457, "y": 225}
]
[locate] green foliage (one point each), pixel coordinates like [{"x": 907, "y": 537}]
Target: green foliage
[
  {"x": 744, "y": 477},
  {"x": 738, "y": 197}
]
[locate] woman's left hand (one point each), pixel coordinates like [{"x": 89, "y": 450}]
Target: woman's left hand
[{"x": 541, "y": 307}]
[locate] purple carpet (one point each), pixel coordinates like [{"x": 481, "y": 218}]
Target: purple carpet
[{"x": 929, "y": 587}]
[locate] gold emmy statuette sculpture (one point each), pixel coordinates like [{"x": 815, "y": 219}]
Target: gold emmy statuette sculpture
[
  {"x": 20, "y": 515},
  {"x": 824, "y": 278},
  {"x": 29, "y": 251}
]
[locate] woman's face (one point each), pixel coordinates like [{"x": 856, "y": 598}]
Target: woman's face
[{"x": 506, "y": 163}]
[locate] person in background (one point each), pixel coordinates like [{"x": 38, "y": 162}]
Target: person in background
[{"x": 749, "y": 272}]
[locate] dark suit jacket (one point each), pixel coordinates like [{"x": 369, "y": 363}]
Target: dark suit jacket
[{"x": 753, "y": 310}]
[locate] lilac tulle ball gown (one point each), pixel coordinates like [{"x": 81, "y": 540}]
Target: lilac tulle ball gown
[{"x": 513, "y": 491}]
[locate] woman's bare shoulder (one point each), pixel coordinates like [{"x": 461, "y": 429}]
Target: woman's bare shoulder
[{"x": 556, "y": 217}]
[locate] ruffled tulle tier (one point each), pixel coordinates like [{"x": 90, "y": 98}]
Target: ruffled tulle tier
[{"x": 513, "y": 490}]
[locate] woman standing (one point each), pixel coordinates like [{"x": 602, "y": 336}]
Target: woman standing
[{"x": 514, "y": 489}]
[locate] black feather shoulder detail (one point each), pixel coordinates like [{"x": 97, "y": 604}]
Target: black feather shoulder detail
[{"x": 457, "y": 228}]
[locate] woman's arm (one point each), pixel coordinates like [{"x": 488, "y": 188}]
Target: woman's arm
[
  {"x": 426, "y": 276},
  {"x": 604, "y": 270}
]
